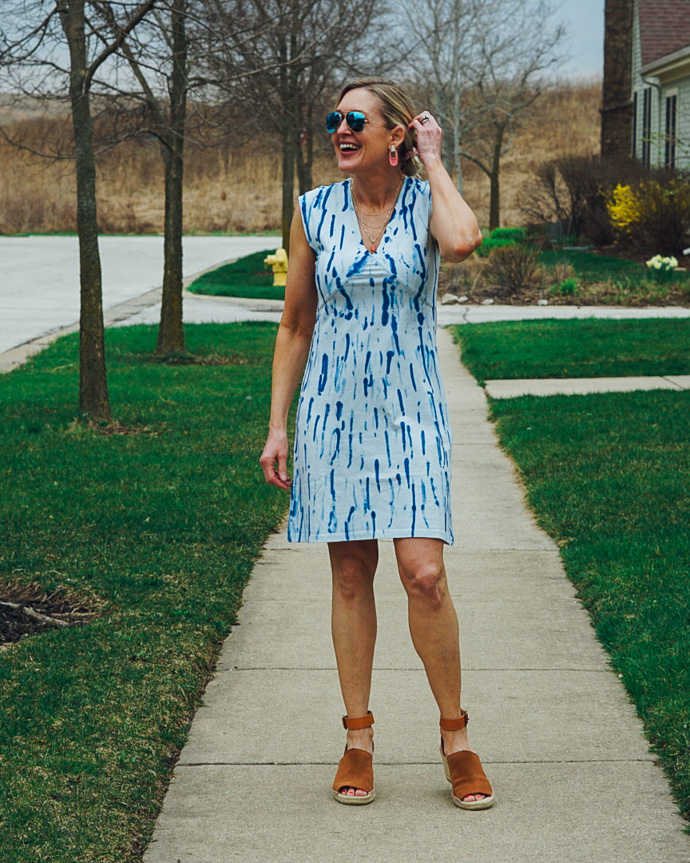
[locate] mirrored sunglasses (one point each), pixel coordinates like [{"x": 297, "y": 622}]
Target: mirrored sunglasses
[{"x": 354, "y": 119}]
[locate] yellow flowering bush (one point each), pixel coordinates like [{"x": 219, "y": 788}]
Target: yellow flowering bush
[
  {"x": 652, "y": 214},
  {"x": 624, "y": 207}
]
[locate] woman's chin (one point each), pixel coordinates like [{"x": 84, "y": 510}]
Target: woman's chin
[{"x": 346, "y": 163}]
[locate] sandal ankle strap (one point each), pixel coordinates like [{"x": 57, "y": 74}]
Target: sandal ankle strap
[
  {"x": 352, "y": 724},
  {"x": 455, "y": 724}
]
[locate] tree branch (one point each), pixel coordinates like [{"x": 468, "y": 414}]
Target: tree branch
[{"x": 124, "y": 31}]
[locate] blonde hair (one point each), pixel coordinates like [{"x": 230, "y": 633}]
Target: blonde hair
[{"x": 397, "y": 110}]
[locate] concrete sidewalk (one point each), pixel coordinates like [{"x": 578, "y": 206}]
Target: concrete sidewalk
[
  {"x": 560, "y": 741},
  {"x": 508, "y": 389}
]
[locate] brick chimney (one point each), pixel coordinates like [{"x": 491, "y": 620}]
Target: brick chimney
[{"x": 616, "y": 108}]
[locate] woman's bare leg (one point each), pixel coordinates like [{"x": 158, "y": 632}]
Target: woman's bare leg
[
  {"x": 434, "y": 629},
  {"x": 353, "y": 626}
]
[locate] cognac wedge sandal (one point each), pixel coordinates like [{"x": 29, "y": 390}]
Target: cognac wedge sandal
[
  {"x": 464, "y": 771},
  {"x": 356, "y": 768}
]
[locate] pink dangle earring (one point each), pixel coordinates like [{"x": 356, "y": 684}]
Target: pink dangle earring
[{"x": 393, "y": 155}]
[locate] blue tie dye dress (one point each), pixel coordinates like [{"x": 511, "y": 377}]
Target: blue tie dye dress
[{"x": 373, "y": 441}]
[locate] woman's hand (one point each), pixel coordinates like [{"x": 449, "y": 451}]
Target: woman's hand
[
  {"x": 291, "y": 351},
  {"x": 274, "y": 460},
  {"x": 429, "y": 137},
  {"x": 453, "y": 224}
]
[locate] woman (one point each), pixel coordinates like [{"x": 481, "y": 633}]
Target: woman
[{"x": 372, "y": 447}]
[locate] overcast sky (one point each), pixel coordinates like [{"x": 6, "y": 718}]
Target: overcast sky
[{"x": 586, "y": 45}]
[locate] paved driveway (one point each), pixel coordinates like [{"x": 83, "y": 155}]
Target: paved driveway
[
  {"x": 39, "y": 276},
  {"x": 39, "y": 288}
]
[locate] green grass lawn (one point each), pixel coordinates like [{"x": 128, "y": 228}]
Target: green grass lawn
[
  {"x": 593, "y": 267},
  {"x": 607, "y": 476},
  {"x": 164, "y": 526},
  {"x": 599, "y": 279},
  {"x": 245, "y": 277},
  {"x": 592, "y": 347}
]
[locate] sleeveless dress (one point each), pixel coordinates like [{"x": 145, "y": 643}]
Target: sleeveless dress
[{"x": 373, "y": 442}]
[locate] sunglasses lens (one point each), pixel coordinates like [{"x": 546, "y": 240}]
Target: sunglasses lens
[
  {"x": 333, "y": 121},
  {"x": 356, "y": 120}
]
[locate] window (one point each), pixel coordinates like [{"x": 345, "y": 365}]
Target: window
[
  {"x": 671, "y": 130},
  {"x": 646, "y": 126},
  {"x": 634, "y": 125}
]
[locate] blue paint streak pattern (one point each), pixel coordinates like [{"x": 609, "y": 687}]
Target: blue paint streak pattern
[{"x": 373, "y": 371}]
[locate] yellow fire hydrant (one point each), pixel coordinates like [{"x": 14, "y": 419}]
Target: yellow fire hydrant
[{"x": 279, "y": 263}]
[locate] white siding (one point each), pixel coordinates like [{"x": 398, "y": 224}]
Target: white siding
[
  {"x": 683, "y": 135},
  {"x": 658, "y": 118},
  {"x": 637, "y": 82}
]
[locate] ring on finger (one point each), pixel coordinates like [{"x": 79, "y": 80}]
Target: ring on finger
[{"x": 424, "y": 118}]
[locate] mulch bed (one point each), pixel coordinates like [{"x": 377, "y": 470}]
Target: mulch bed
[
  {"x": 593, "y": 297},
  {"x": 28, "y": 609}
]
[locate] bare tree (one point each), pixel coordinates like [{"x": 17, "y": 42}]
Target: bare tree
[
  {"x": 280, "y": 73},
  {"x": 486, "y": 61},
  {"x": 446, "y": 31},
  {"x": 31, "y": 54},
  {"x": 157, "y": 70},
  {"x": 159, "y": 64}
]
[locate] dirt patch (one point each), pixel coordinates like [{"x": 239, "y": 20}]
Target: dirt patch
[
  {"x": 185, "y": 359},
  {"x": 118, "y": 428},
  {"x": 26, "y": 609},
  {"x": 592, "y": 295}
]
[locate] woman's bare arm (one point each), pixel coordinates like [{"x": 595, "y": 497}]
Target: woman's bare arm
[
  {"x": 453, "y": 224},
  {"x": 291, "y": 352}
]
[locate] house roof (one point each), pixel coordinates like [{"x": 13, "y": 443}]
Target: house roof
[{"x": 664, "y": 28}]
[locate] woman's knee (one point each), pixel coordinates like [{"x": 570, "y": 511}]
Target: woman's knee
[
  {"x": 426, "y": 581},
  {"x": 353, "y": 571}
]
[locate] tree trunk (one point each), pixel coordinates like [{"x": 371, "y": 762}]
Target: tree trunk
[
  {"x": 459, "y": 185},
  {"x": 305, "y": 154},
  {"x": 305, "y": 160},
  {"x": 495, "y": 199},
  {"x": 289, "y": 154},
  {"x": 93, "y": 385},
  {"x": 170, "y": 330},
  {"x": 457, "y": 164},
  {"x": 447, "y": 151},
  {"x": 289, "y": 90}
]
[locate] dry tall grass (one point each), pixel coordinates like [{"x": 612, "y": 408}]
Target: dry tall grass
[{"x": 233, "y": 186}]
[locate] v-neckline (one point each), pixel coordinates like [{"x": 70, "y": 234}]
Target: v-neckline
[{"x": 394, "y": 212}]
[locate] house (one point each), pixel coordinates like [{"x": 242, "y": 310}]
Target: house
[{"x": 661, "y": 82}]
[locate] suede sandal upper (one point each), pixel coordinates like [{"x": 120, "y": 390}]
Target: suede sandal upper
[
  {"x": 467, "y": 775},
  {"x": 464, "y": 770},
  {"x": 355, "y": 771}
]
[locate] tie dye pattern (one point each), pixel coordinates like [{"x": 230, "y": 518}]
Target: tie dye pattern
[{"x": 373, "y": 441}]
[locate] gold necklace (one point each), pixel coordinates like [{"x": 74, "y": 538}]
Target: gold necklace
[
  {"x": 368, "y": 224},
  {"x": 374, "y": 240}
]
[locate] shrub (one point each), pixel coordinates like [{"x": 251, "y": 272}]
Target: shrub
[
  {"x": 499, "y": 238},
  {"x": 516, "y": 234},
  {"x": 513, "y": 267},
  {"x": 461, "y": 278},
  {"x": 652, "y": 214},
  {"x": 561, "y": 271},
  {"x": 572, "y": 191},
  {"x": 566, "y": 288}
]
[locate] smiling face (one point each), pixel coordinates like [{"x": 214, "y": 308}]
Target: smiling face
[{"x": 362, "y": 151}]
